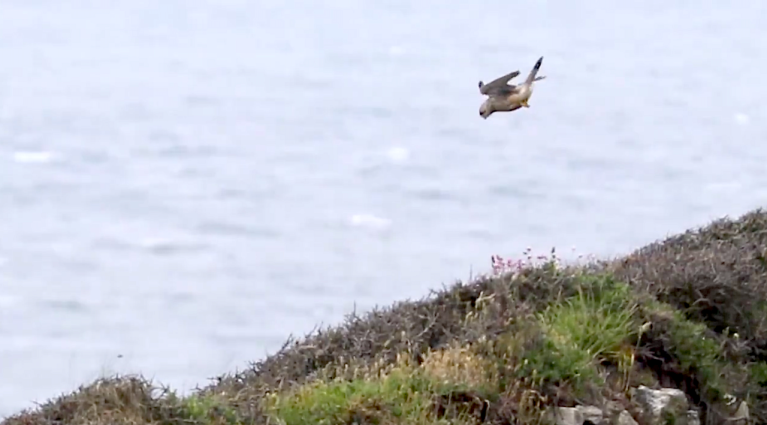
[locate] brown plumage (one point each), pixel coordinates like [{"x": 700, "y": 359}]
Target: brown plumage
[{"x": 504, "y": 97}]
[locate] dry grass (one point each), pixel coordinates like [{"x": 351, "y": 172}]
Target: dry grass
[{"x": 687, "y": 312}]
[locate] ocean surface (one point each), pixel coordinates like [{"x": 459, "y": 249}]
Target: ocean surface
[{"x": 184, "y": 184}]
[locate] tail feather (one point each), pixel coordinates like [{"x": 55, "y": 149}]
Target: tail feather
[{"x": 534, "y": 71}]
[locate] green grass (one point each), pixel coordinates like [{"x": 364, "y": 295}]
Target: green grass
[
  {"x": 698, "y": 353},
  {"x": 693, "y": 346},
  {"x": 758, "y": 373},
  {"x": 583, "y": 331},
  {"x": 403, "y": 395},
  {"x": 208, "y": 409}
]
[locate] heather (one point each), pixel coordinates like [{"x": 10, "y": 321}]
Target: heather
[{"x": 686, "y": 312}]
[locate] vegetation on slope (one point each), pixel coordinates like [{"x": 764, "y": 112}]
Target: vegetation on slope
[{"x": 688, "y": 312}]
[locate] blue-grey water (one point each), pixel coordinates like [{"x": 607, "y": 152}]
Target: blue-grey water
[{"x": 183, "y": 184}]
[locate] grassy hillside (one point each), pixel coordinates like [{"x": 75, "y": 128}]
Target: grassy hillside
[{"x": 689, "y": 312}]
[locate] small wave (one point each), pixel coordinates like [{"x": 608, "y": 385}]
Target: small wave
[
  {"x": 9, "y": 301},
  {"x": 70, "y": 305},
  {"x": 742, "y": 118},
  {"x": 398, "y": 154},
  {"x": 167, "y": 246},
  {"x": 369, "y": 220},
  {"x": 396, "y": 50},
  {"x": 724, "y": 186},
  {"x": 37, "y": 157}
]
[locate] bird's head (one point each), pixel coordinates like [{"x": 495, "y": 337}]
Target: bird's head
[{"x": 486, "y": 109}]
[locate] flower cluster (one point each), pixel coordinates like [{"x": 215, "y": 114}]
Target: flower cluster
[
  {"x": 504, "y": 266},
  {"x": 501, "y": 266}
]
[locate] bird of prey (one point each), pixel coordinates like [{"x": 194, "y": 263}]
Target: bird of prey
[{"x": 504, "y": 97}]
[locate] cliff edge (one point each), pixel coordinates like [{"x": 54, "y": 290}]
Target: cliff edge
[{"x": 675, "y": 332}]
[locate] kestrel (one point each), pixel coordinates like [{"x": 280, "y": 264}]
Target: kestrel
[{"x": 504, "y": 97}]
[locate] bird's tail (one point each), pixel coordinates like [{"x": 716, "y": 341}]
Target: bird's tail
[{"x": 534, "y": 71}]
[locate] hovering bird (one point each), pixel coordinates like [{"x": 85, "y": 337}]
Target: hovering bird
[{"x": 504, "y": 97}]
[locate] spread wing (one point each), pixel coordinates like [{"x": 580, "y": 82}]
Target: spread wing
[{"x": 498, "y": 85}]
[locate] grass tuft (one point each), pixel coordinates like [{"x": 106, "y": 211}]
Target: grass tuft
[
  {"x": 580, "y": 335},
  {"x": 401, "y": 396},
  {"x": 208, "y": 410}
]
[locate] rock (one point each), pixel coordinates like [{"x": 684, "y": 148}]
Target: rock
[
  {"x": 741, "y": 416},
  {"x": 591, "y": 414},
  {"x": 732, "y": 411},
  {"x": 579, "y": 415},
  {"x": 692, "y": 417},
  {"x": 611, "y": 411},
  {"x": 568, "y": 416},
  {"x": 658, "y": 406},
  {"x": 625, "y": 418}
]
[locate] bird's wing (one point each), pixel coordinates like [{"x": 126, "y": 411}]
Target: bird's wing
[
  {"x": 503, "y": 91},
  {"x": 506, "y": 89},
  {"x": 498, "y": 83}
]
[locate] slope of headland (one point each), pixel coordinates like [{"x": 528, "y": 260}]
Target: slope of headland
[{"x": 688, "y": 313}]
